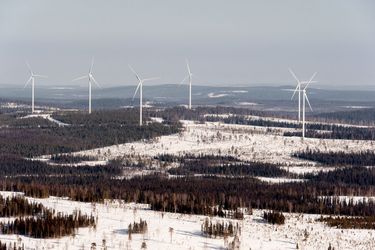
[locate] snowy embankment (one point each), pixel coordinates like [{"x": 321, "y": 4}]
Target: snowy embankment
[
  {"x": 248, "y": 143},
  {"x": 47, "y": 117},
  {"x": 178, "y": 231}
]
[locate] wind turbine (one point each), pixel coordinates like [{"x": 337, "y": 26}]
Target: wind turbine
[
  {"x": 32, "y": 79},
  {"x": 190, "y": 77},
  {"x": 140, "y": 87},
  {"x": 91, "y": 78},
  {"x": 305, "y": 98},
  {"x": 298, "y": 88}
]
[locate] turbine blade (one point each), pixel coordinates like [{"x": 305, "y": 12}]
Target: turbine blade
[
  {"x": 294, "y": 75},
  {"x": 28, "y": 82},
  {"x": 29, "y": 67},
  {"x": 294, "y": 92},
  {"x": 311, "y": 78},
  {"x": 150, "y": 79},
  {"x": 41, "y": 76},
  {"x": 92, "y": 64},
  {"x": 308, "y": 102},
  {"x": 186, "y": 77},
  {"x": 135, "y": 73},
  {"x": 136, "y": 90},
  {"x": 79, "y": 78},
  {"x": 97, "y": 84},
  {"x": 188, "y": 67}
]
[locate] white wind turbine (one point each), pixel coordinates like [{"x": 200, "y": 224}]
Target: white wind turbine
[
  {"x": 32, "y": 79},
  {"x": 190, "y": 77},
  {"x": 140, "y": 87},
  {"x": 298, "y": 88},
  {"x": 305, "y": 98},
  {"x": 91, "y": 79}
]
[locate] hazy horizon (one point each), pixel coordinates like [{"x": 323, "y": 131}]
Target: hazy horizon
[{"x": 248, "y": 43}]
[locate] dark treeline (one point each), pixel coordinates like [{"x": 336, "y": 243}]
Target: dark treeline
[
  {"x": 18, "y": 206},
  {"x": 48, "y": 225},
  {"x": 243, "y": 169},
  {"x": 137, "y": 227},
  {"x": 362, "y": 116},
  {"x": 10, "y": 246},
  {"x": 11, "y": 165},
  {"x": 367, "y": 222},
  {"x": 86, "y": 131},
  {"x": 274, "y": 217},
  {"x": 102, "y": 117},
  {"x": 198, "y": 113},
  {"x": 223, "y": 229},
  {"x": 360, "y": 176},
  {"x": 338, "y": 132},
  {"x": 40, "y": 222},
  {"x": 70, "y": 158},
  {"x": 314, "y": 130},
  {"x": 241, "y": 120},
  {"x": 220, "y": 165},
  {"x": 207, "y": 196},
  {"x": 340, "y": 158}
]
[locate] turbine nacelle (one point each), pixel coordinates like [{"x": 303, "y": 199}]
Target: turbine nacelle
[{"x": 140, "y": 80}]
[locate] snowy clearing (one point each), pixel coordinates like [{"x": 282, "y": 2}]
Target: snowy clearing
[
  {"x": 114, "y": 218},
  {"x": 245, "y": 142}
]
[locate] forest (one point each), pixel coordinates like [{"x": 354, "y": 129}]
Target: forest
[
  {"x": 361, "y": 117},
  {"x": 359, "y": 176},
  {"x": 222, "y": 165},
  {"x": 101, "y": 128},
  {"x": 137, "y": 227},
  {"x": 18, "y": 206},
  {"x": 35, "y": 220},
  {"x": 337, "y": 132},
  {"x": 70, "y": 158},
  {"x": 367, "y": 222},
  {"x": 49, "y": 225},
  {"x": 219, "y": 229},
  {"x": 13, "y": 165},
  {"x": 340, "y": 158},
  {"x": 204, "y": 195},
  {"x": 274, "y": 217}
]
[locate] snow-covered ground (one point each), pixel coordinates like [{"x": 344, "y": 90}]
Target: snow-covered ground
[
  {"x": 47, "y": 117},
  {"x": 114, "y": 218},
  {"x": 245, "y": 142},
  {"x": 278, "y": 180},
  {"x": 247, "y": 103},
  {"x": 214, "y": 95}
]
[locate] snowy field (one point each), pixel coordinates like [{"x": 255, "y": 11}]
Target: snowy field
[
  {"x": 242, "y": 141},
  {"x": 114, "y": 218},
  {"x": 47, "y": 117}
]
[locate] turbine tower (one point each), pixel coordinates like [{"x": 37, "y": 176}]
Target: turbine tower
[
  {"x": 298, "y": 88},
  {"x": 190, "y": 77},
  {"x": 32, "y": 80},
  {"x": 305, "y": 98},
  {"x": 91, "y": 79},
  {"x": 140, "y": 87}
]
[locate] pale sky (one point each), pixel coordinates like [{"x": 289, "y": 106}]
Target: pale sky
[{"x": 232, "y": 43}]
